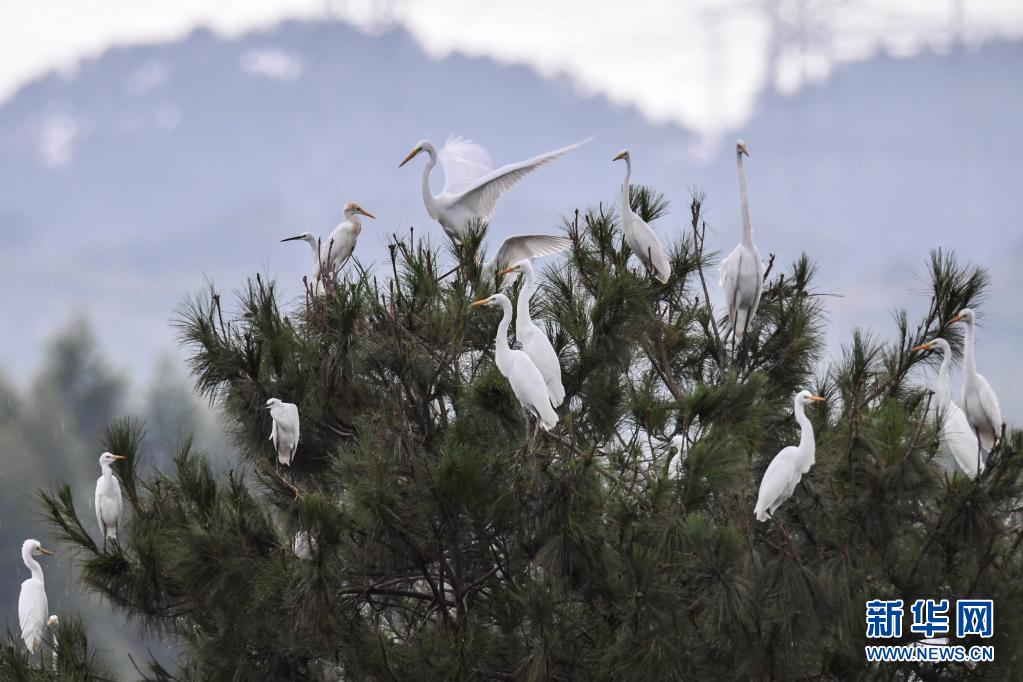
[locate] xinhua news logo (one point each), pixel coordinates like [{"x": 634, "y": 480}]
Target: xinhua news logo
[{"x": 932, "y": 622}]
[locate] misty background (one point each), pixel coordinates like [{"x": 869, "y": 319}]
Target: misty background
[{"x": 142, "y": 155}]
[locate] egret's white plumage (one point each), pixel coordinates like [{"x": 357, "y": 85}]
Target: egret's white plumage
[
  {"x": 526, "y": 381},
  {"x": 520, "y": 247},
  {"x": 955, "y": 435},
  {"x": 284, "y": 431},
  {"x": 331, "y": 254},
  {"x": 108, "y": 498},
  {"x": 638, "y": 235},
  {"x": 742, "y": 272},
  {"x": 979, "y": 401},
  {"x": 534, "y": 342},
  {"x": 789, "y": 465},
  {"x": 33, "y": 610},
  {"x": 472, "y": 185},
  {"x": 304, "y": 545}
]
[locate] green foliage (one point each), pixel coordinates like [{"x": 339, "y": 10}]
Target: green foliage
[{"x": 444, "y": 546}]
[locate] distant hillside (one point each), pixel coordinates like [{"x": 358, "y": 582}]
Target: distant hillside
[{"x": 154, "y": 167}]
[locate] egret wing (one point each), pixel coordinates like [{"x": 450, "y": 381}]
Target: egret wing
[
  {"x": 463, "y": 162},
  {"x": 649, "y": 248},
  {"x": 481, "y": 196},
  {"x": 523, "y": 246},
  {"x": 957, "y": 439},
  {"x": 32, "y": 612},
  {"x": 99, "y": 506},
  {"x": 989, "y": 403}
]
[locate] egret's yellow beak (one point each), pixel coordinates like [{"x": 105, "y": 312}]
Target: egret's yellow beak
[
  {"x": 924, "y": 346},
  {"x": 411, "y": 155},
  {"x": 362, "y": 211},
  {"x": 744, "y": 149},
  {"x": 815, "y": 397},
  {"x": 955, "y": 319},
  {"x": 118, "y": 456},
  {"x": 46, "y": 552},
  {"x": 482, "y": 301},
  {"x": 514, "y": 268},
  {"x": 620, "y": 156}
]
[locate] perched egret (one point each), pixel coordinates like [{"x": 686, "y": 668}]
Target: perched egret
[
  {"x": 955, "y": 435},
  {"x": 979, "y": 402},
  {"x": 534, "y": 342},
  {"x": 472, "y": 185},
  {"x": 33, "y": 611},
  {"x": 284, "y": 431},
  {"x": 304, "y": 545},
  {"x": 641, "y": 239},
  {"x": 742, "y": 273},
  {"x": 522, "y": 246},
  {"x": 108, "y": 498},
  {"x": 526, "y": 380},
  {"x": 789, "y": 465},
  {"x": 332, "y": 254}
]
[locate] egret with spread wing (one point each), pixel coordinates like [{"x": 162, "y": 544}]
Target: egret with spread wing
[
  {"x": 108, "y": 498},
  {"x": 954, "y": 433},
  {"x": 284, "y": 431},
  {"x": 526, "y": 381},
  {"x": 742, "y": 273},
  {"x": 331, "y": 255},
  {"x": 472, "y": 185},
  {"x": 641, "y": 239},
  {"x": 522, "y": 247},
  {"x": 534, "y": 342},
  {"x": 979, "y": 401},
  {"x": 33, "y": 609},
  {"x": 789, "y": 465}
]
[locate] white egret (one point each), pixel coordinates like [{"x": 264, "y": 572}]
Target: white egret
[
  {"x": 284, "y": 431},
  {"x": 789, "y": 465},
  {"x": 979, "y": 402},
  {"x": 526, "y": 381},
  {"x": 955, "y": 435},
  {"x": 304, "y": 545},
  {"x": 742, "y": 273},
  {"x": 331, "y": 255},
  {"x": 641, "y": 239},
  {"x": 523, "y": 246},
  {"x": 33, "y": 610},
  {"x": 534, "y": 342},
  {"x": 472, "y": 185},
  {"x": 108, "y": 498}
]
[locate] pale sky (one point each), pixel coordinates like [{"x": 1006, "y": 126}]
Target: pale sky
[{"x": 699, "y": 63}]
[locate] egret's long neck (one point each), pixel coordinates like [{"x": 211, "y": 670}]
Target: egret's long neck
[
  {"x": 626, "y": 193},
  {"x": 431, "y": 203},
  {"x": 522, "y": 304},
  {"x": 943, "y": 388},
  {"x": 501, "y": 350},
  {"x": 747, "y": 224},
  {"x": 33, "y": 565},
  {"x": 969, "y": 363},
  {"x": 314, "y": 244},
  {"x": 353, "y": 219},
  {"x": 806, "y": 441},
  {"x": 106, "y": 471}
]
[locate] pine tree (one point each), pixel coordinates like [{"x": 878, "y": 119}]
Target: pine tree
[{"x": 442, "y": 546}]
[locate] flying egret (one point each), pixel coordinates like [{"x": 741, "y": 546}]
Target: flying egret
[
  {"x": 332, "y": 254},
  {"x": 534, "y": 342},
  {"x": 108, "y": 498},
  {"x": 521, "y": 247},
  {"x": 641, "y": 239},
  {"x": 33, "y": 610},
  {"x": 472, "y": 185},
  {"x": 979, "y": 402},
  {"x": 742, "y": 273},
  {"x": 284, "y": 431},
  {"x": 955, "y": 435},
  {"x": 526, "y": 380},
  {"x": 789, "y": 465}
]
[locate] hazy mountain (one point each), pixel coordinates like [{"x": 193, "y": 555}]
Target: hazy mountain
[{"x": 150, "y": 168}]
